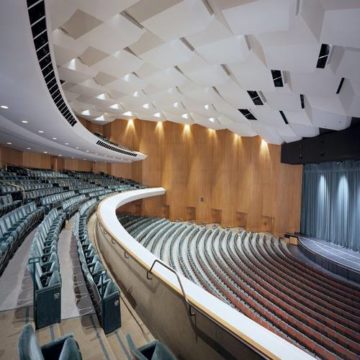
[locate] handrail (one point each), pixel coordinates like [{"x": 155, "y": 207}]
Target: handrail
[{"x": 187, "y": 302}]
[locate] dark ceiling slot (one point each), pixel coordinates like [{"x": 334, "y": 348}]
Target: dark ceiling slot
[
  {"x": 340, "y": 85},
  {"x": 277, "y": 78},
  {"x": 284, "y": 117},
  {"x": 255, "y": 97},
  {"x": 247, "y": 114},
  {"x": 323, "y": 56},
  {"x": 302, "y": 100}
]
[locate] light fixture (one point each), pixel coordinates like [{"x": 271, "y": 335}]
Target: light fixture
[
  {"x": 24, "y": 121},
  {"x": 176, "y": 104},
  {"x": 101, "y": 96},
  {"x": 146, "y": 106},
  {"x": 54, "y": 138},
  {"x": 4, "y": 107},
  {"x": 28, "y": 148},
  {"x": 126, "y": 77},
  {"x": 86, "y": 112},
  {"x": 45, "y": 152},
  {"x": 9, "y": 143},
  {"x": 41, "y": 131},
  {"x": 60, "y": 155},
  {"x": 100, "y": 118},
  {"x": 115, "y": 106},
  {"x": 212, "y": 119},
  {"x": 77, "y": 148},
  {"x": 185, "y": 116},
  {"x": 206, "y": 107},
  {"x": 66, "y": 143},
  {"x": 157, "y": 115},
  {"x": 128, "y": 113},
  {"x": 136, "y": 94}
]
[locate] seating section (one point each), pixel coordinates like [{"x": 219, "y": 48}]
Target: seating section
[
  {"x": 45, "y": 269},
  {"x": 14, "y": 226},
  {"x": 259, "y": 276},
  {"x": 71, "y": 205},
  {"x": 7, "y": 204},
  {"x": 64, "y": 348},
  {"x": 104, "y": 293}
]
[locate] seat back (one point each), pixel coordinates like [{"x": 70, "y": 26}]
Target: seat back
[{"x": 28, "y": 346}]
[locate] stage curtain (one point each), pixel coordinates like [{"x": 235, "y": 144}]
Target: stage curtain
[{"x": 331, "y": 203}]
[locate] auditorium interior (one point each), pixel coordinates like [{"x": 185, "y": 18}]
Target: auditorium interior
[{"x": 179, "y": 179}]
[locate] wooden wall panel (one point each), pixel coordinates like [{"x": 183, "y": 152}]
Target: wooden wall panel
[{"x": 212, "y": 175}]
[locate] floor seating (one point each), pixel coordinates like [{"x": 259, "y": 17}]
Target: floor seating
[
  {"x": 104, "y": 293},
  {"x": 54, "y": 201},
  {"x": 45, "y": 269},
  {"x": 70, "y": 206},
  {"x": 63, "y": 348},
  {"x": 14, "y": 226},
  {"x": 7, "y": 204},
  {"x": 155, "y": 350}
]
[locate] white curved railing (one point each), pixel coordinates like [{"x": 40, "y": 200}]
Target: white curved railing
[{"x": 261, "y": 340}]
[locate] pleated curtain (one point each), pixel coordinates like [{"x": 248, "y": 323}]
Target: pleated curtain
[{"x": 331, "y": 203}]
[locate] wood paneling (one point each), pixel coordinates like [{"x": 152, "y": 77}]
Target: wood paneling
[{"x": 213, "y": 176}]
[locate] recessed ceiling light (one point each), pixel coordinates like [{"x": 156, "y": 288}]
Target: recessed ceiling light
[
  {"x": 206, "y": 107},
  {"x": 176, "y": 104},
  {"x": 41, "y": 131},
  {"x": 24, "y": 121},
  {"x": 185, "y": 116},
  {"x": 146, "y": 106},
  {"x": 101, "y": 96},
  {"x": 136, "y": 94},
  {"x": 77, "y": 148},
  {"x": 115, "y": 106},
  {"x": 60, "y": 155},
  {"x": 126, "y": 77},
  {"x": 86, "y": 112},
  {"x": 45, "y": 152},
  {"x": 28, "y": 148},
  {"x": 66, "y": 143},
  {"x": 212, "y": 119},
  {"x": 9, "y": 143},
  {"x": 100, "y": 118},
  {"x": 157, "y": 115},
  {"x": 128, "y": 113},
  {"x": 4, "y": 107},
  {"x": 54, "y": 138}
]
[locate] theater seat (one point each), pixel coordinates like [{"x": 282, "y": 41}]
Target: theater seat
[
  {"x": 64, "y": 348},
  {"x": 154, "y": 351}
]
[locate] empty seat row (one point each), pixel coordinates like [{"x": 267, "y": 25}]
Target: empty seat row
[
  {"x": 45, "y": 269},
  {"x": 35, "y": 195},
  {"x": 14, "y": 226},
  {"x": 104, "y": 292},
  {"x": 70, "y": 206},
  {"x": 54, "y": 201},
  {"x": 7, "y": 204}
]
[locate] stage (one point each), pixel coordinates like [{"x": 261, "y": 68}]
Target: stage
[{"x": 335, "y": 258}]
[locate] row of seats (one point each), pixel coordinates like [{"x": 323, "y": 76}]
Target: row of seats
[
  {"x": 14, "y": 226},
  {"x": 45, "y": 269},
  {"x": 55, "y": 200},
  {"x": 35, "y": 195},
  {"x": 104, "y": 293},
  {"x": 259, "y": 277},
  {"x": 7, "y": 204},
  {"x": 70, "y": 206}
]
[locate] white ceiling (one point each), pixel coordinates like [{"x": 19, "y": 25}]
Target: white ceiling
[{"x": 193, "y": 61}]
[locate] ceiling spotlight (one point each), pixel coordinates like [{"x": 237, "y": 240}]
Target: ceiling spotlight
[
  {"x": 28, "y": 148},
  {"x": 54, "y": 138},
  {"x": 157, "y": 115},
  {"x": 136, "y": 94},
  {"x": 115, "y": 106},
  {"x": 126, "y": 77},
  {"x": 176, "y": 104},
  {"x": 100, "y": 118},
  {"x": 4, "y": 107},
  {"x": 101, "y": 96},
  {"x": 86, "y": 112},
  {"x": 212, "y": 119},
  {"x": 66, "y": 143},
  {"x": 128, "y": 113},
  {"x": 9, "y": 143},
  {"x": 60, "y": 155},
  {"x": 24, "y": 121},
  {"x": 77, "y": 148},
  {"x": 206, "y": 107},
  {"x": 45, "y": 152},
  {"x": 185, "y": 116},
  {"x": 41, "y": 131},
  {"x": 146, "y": 106}
]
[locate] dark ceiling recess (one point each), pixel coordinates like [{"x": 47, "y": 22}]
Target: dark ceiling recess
[
  {"x": 340, "y": 85},
  {"x": 277, "y": 77},
  {"x": 284, "y": 117},
  {"x": 247, "y": 114},
  {"x": 255, "y": 97},
  {"x": 302, "y": 100},
  {"x": 323, "y": 56},
  {"x": 333, "y": 146}
]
